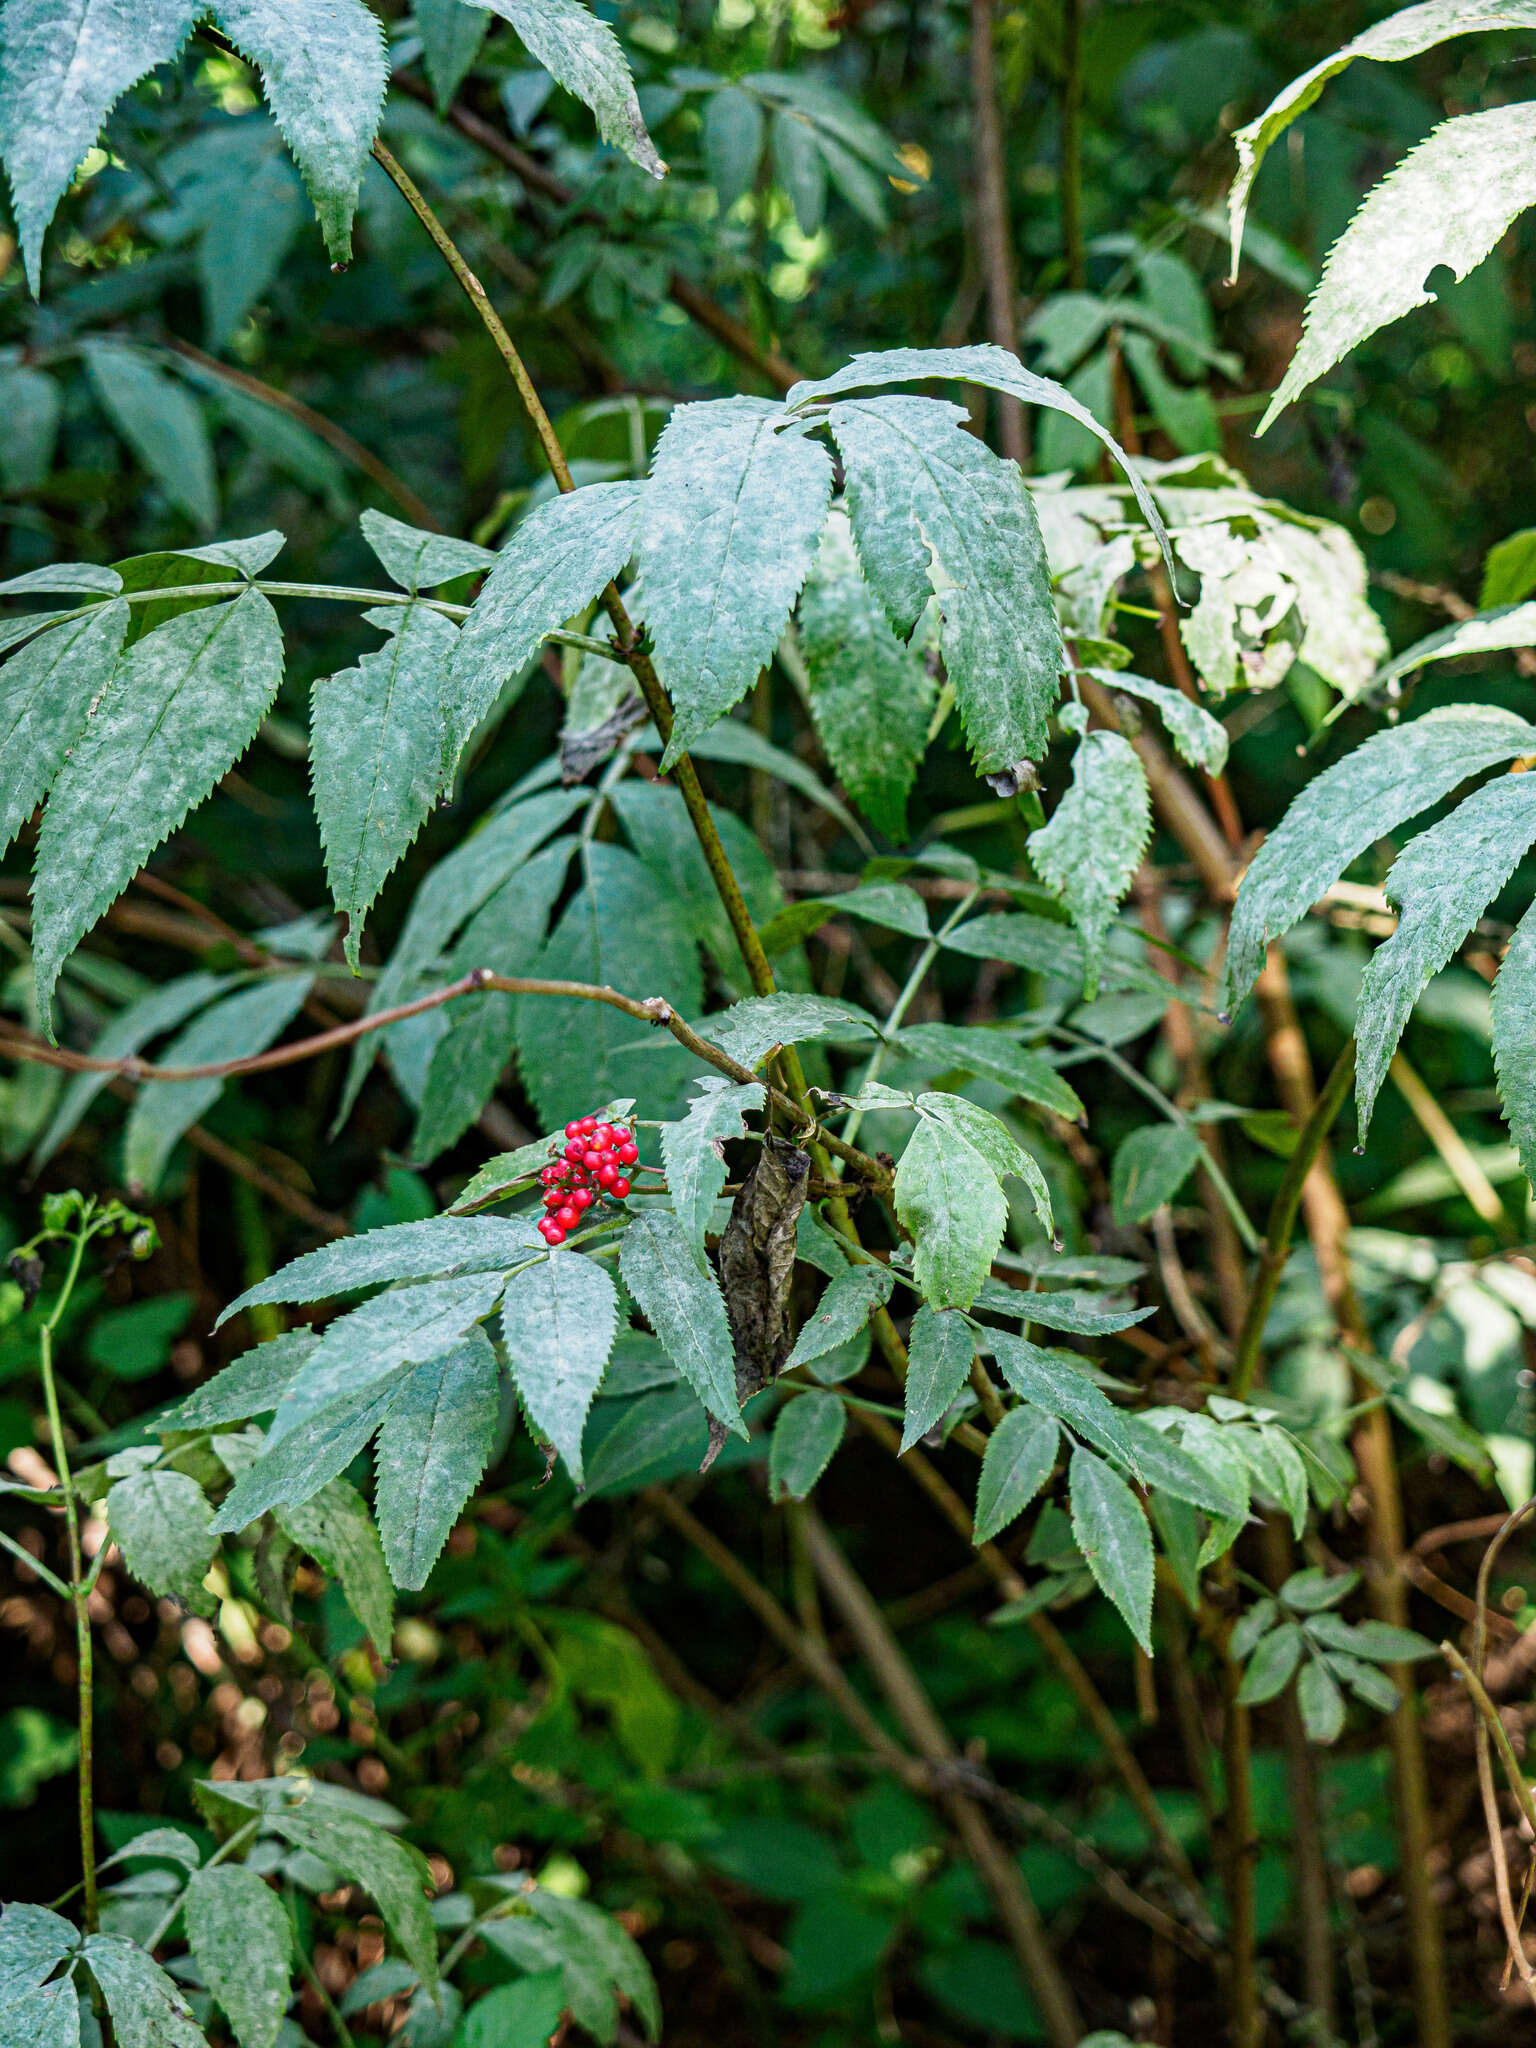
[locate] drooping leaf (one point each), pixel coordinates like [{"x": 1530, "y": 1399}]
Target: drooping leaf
[
  {"x": 951, "y": 1202},
  {"x": 1112, "y": 1534},
  {"x": 1081, "y": 1315},
  {"x": 338, "y": 1533},
  {"x": 288, "y": 1472},
  {"x": 750, "y": 1030},
  {"x": 1378, "y": 1641},
  {"x": 404, "y": 1326},
  {"x": 243, "y": 1943},
  {"x": 1092, "y": 847},
  {"x": 208, "y": 678},
  {"x": 558, "y": 1321},
  {"x": 692, "y": 1150},
  {"x": 556, "y": 562},
  {"x": 418, "y": 560},
  {"x": 936, "y": 513},
  {"x": 64, "y": 64},
  {"x": 685, "y": 1309},
  {"x": 1271, "y": 1665},
  {"x": 843, "y": 1311},
  {"x": 435, "y": 1249},
  {"x": 1053, "y": 1381},
  {"x": 234, "y": 1028},
  {"x": 805, "y": 1438},
  {"x": 161, "y": 422},
  {"x": 147, "y": 2009},
  {"x": 734, "y": 128},
  {"x": 162, "y": 1523},
  {"x": 940, "y": 1348},
  {"x": 1487, "y": 632},
  {"x": 871, "y": 696},
  {"x": 1150, "y": 1167},
  {"x": 1442, "y": 882},
  {"x": 991, "y": 1137},
  {"x": 1200, "y": 738},
  {"x": 1447, "y": 203},
  {"x": 377, "y": 744},
  {"x": 395, "y": 1872},
  {"x": 600, "y": 1959},
  {"x": 433, "y": 1447},
  {"x": 1405, "y": 33},
  {"x": 1395, "y": 775},
  {"x": 583, "y": 54},
  {"x": 1514, "y": 1040},
  {"x": 998, "y": 1057},
  {"x": 324, "y": 70},
  {"x": 1278, "y": 1471},
  {"x": 451, "y": 34},
  {"x": 1019, "y": 1459},
  {"x": 1321, "y": 1703},
  {"x": 252, "y": 1384},
  {"x": 733, "y": 512},
  {"x": 46, "y": 693},
  {"x": 1164, "y": 1464},
  {"x": 800, "y": 168}
]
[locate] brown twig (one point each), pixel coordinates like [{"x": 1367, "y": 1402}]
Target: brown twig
[{"x": 994, "y": 231}]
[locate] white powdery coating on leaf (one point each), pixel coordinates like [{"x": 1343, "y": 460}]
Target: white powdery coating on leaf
[{"x": 583, "y": 54}]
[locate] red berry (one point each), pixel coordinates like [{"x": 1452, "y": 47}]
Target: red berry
[
  {"x": 591, "y": 1161},
  {"x": 553, "y": 1198},
  {"x": 588, "y": 1124},
  {"x": 620, "y": 1189},
  {"x": 575, "y": 1149},
  {"x": 573, "y": 1130},
  {"x": 567, "y": 1218},
  {"x": 582, "y": 1199},
  {"x": 603, "y": 1135},
  {"x": 554, "y": 1235},
  {"x": 629, "y": 1152},
  {"x": 607, "y": 1176}
]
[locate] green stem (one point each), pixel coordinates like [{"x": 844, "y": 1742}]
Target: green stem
[
  {"x": 1282, "y": 1222},
  {"x": 237, "y": 1840},
  {"x": 327, "y": 2003},
  {"x": 33, "y": 1564},
  {"x": 79, "y": 1597}
]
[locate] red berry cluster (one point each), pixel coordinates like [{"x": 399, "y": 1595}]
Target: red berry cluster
[{"x": 590, "y": 1167}]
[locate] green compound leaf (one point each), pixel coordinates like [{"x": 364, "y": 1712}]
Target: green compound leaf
[
  {"x": 991, "y": 1137},
  {"x": 1020, "y": 1457},
  {"x": 207, "y": 679},
  {"x": 64, "y": 64},
  {"x": 437, "y": 1248},
  {"x": 1055, "y": 1382},
  {"x": 1092, "y": 847},
  {"x": 1321, "y": 1703},
  {"x": 397, "y": 1874},
  {"x": 162, "y": 1523},
  {"x": 289, "y": 1472},
  {"x": 243, "y": 1942},
  {"x": 1113, "y": 1535},
  {"x": 684, "y": 1307},
  {"x": 433, "y": 1447},
  {"x": 805, "y": 1439},
  {"x": 147, "y": 2009},
  {"x": 937, "y": 514},
  {"x": 842, "y": 1312},
  {"x": 733, "y": 511},
  {"x": 336, "y": 1530},
  {"x": 324, "y": 70},
  {"x": 975, "y": 1049},
  {"x": 940, "y": 1348},
  {"x": 418, "y": 560},
  {"x": 377, "y": 744},
  {"x": 584, "y": 55},
  {"x": 252, "y": 1384},
  {"x": 46, "y": 693},
  {"x": 1271, "y": 1665},
  {"x": 558, "y": 1321}
]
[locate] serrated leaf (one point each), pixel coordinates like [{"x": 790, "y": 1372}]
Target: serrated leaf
[
  {"x": 1486, "y": 632},
  {"x": 404, "y": 1326},
  {"x": 558, "y": 1322},
  {"x": 243, "y": 1943},
  {"x": 64, "y": 64},
  {"x": 1200, "y": 738},
  {"x": 168, "y": 1844},
  {"x": 377, "y": 744},
  {"x": 1271, "y": 1665},
  {"x": 935, "y": 512},
  {"x": 843, "y": 1311},
  {"x": 1164, "y": 1464},
  {"x": 397, "y": 1875},
  {"x": 252, "y": 1384},
  {"x": 433, "y": 1446},
  {"x": 1377, "y": 1641},
  {"x": 1150, "y": 1168},
  {"x": 583, "y": 54},
  {"x": 324, "y": 70},
  {"x": 1375, "y": 1687},
  {"x": 46, "y": 694},
  {"x": 1053, "y": 1381},
  {"x": 162, "y": 1523},
  {"x": 161, "y": 422},
  {"x": 691, "y": 1150},
  {"x": 435, "y": 1249},
  {"x": 451, "y": 35},
  {"x": 287, "y": 1472},
  {"x": 1277, "y": 1467},
  {"x": 335, "y": 1528},
  {"x": 1083, "y": 1316},
  {"x": 734, "y": 127},
  {"x": 209, "y": 678},
  {"x": 805, "y": 1437},
  {"x": 624, "y": 927},
  {"x": 599, "y": 1959},
  {"x": 46, "y": 2018},
  {"x": 1392, "y": 777},
  {"x": 949, "y": 1200},
  {"x": 940, "y": 1348},
  {"x": 684, "y": 1307},
  {"x": 88, "y": 578},
  {"x": 234, "y": 1028},
  {"x": 33, "y": 1942},
  {"x": 1405, "y": 33},
  {"x": 750, "y": 1030},
  {"x": 870, "y": 696},
  {"x": 733, "y": 512},
  {"x": 1514, "y": 1040},
  {"x": 412, "y": 557},
  {"x": 1441, "y": 883},
  {"x": 1112, "y": 1534},
  {"x": 994, "y": 1055},
  {"x": 991, "y": 1137},
  {"x": 559, "y": 559},
  {"x": 1255, "y": 1622},
  {"x": 1321, "y": 1703},
  {"x": 468, "y": 1059},
  {"x": 1314, "y": 1590},
  {"x": 1092, "y": 847},
  {"x": 1446, "y": 204},
  {"x": 1020, "y": 1457}
]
